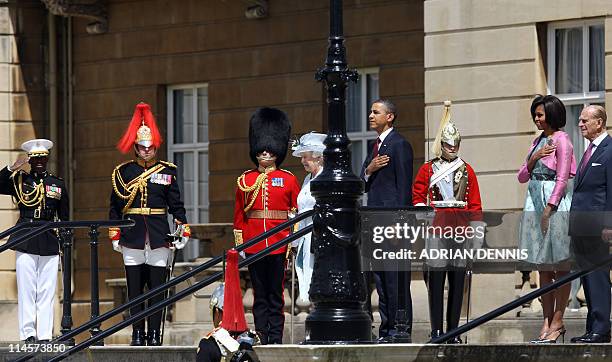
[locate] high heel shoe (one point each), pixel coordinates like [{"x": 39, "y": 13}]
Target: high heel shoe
[{"x": 546, "y": 339}]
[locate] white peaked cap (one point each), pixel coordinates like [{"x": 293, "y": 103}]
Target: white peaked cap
[{"x": 38, "y": 147}]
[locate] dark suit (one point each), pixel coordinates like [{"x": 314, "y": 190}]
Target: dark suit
[
  {"x": 391, "y": 186},
  {"x": 590, "y": 214}
]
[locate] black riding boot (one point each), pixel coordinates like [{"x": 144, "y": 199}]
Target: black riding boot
[
  {"x": 135, "y": 285},
  {"x": 456, "y": 281},
  {"x": 157, "y": 277},
  {"x": 435, "y": 292}
]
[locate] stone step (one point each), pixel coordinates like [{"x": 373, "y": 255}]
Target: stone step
[
  {"x": 338, "y": 353},
  {"x": 513, "y": 330}
]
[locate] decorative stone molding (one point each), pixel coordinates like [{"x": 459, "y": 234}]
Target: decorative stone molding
[
  {"x": 256, "y": 9},
  {"x": 92, "y": 10}
]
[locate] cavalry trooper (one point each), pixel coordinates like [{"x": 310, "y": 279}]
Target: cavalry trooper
[
  {"x": 40, "y": 196},
  {"x": 449, "y": 184},
  {"x": 265, "y": 197},
  {"x": 146, "y": 190},
  {"x": 230, "y": 339}
]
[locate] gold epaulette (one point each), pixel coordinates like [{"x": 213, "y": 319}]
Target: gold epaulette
[
  {"x": 55, "y": 176},
  {"x": 166, "y": 163},
  {"x": 15, "y": 173},
  {"x": 123, "y": 164}
]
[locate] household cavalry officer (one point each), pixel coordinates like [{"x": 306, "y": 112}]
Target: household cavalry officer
[
  {"x": 146, "y": 190},
  {"x": 265, "y": 197},
  {"x": 449, "y": 184},
  {"x": 40, "y": 196}
]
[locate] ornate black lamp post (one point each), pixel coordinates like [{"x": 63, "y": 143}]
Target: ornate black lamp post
[{"x": 338, "y": 288}]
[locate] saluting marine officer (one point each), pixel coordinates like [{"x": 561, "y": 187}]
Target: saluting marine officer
[
  {"x": 145, "y": 190},
  {"x": 265, "y": 197},
  {"x": 40, "y": 196}
]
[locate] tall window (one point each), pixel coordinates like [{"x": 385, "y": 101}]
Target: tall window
[
  {"x": 360, "y": 96},
  {"x": 188, "y": 146},
  {"x": 576, "y": 70}
]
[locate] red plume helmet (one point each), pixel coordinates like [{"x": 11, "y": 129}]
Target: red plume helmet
[
  {"x": 233, "y": 309},
  {"x": 142, "y": 130}
]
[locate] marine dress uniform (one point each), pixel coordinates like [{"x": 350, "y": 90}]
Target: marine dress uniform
[
  {"x": 146, "y": 192},
  {"x": 265, "y": 197},
  {"x": 40, "y": 196}
]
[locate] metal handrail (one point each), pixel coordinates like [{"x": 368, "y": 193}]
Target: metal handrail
[
  {"x": 19, "y": 226},
  {"x": 518, "y": 302},
  {"x": 175, "y": 281},
  {"x": 183, "y": 293},
  {"x": 44, "y": 226}
]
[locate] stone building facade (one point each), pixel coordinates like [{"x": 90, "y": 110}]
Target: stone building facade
[{"x": 204, "y": 67}]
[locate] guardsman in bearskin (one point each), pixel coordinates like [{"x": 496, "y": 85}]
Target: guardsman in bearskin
[
  {"x": 448, "y": 184},
  {"x": 266, "y": 196},
  {"x": 146, "y": 190},
  {"x": 230, "y": 339},
  {"x": 40, "y": 196}
]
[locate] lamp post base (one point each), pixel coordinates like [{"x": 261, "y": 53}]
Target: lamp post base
[{"x": 338, "y": 325}]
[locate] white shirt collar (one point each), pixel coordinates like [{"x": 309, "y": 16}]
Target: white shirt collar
[
  {"x": 599, "y": 138},
  {"x": 385, "y": 134}
]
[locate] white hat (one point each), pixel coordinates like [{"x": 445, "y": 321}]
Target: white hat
[
  {"x": 310, "y": 142},
  {"x": 37, "y": 148}
]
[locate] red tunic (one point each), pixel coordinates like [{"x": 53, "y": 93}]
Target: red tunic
[
  {"x": 422, "y": 194},
  {"x": 278, "y": 192}
]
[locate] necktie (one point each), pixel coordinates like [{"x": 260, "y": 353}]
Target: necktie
[
  {"x": 586, "y": 157},
  {"x": 375, "y": 149}
]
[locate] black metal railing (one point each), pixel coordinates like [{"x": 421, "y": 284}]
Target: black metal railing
[
  {"x": 518, "y": 302},
  {"x": 100, "y": 335},
  {"x": 39, "y": 227},
  {"x": 20, "y": 226}
]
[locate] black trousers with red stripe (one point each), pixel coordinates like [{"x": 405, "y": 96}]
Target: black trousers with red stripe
[{"x": 268, "y": 277}]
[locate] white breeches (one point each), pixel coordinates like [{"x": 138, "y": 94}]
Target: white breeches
[
  {"x": 155, "y": 257},
  {"x": 36, "y": 283}
]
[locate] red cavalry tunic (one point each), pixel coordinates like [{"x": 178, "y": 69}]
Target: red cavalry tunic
[
  {"x": 274, "y": 198},
  {"x": 421, "y": 192}
]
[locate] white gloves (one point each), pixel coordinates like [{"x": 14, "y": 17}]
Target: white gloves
[{"x": 116, "y": 246}]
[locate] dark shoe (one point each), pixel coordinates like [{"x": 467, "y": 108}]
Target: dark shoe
[
  {"x": 596, "y": 338},
  {"x": 29, "y": 340},
  {"x": 387, "y": 339},
  {"x": 154, "y": 338},
  {"x": 435, "y": 333},
  {"x": 579, "y": 339},
  {"x": 138, "y": 338},
  {"x": 263, "y": 337},
  {"x": 455, "y": 340}
]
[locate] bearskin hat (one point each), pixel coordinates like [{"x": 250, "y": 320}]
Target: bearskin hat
[{"x": 269, "y": 130}]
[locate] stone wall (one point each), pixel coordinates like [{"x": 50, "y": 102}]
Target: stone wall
[
  {"x": 151, "y": 45},
  {"x": 485, "y": 56},
  {"x": 22, "y": 117}
]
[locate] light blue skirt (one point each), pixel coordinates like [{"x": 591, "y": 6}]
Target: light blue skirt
[{"x": 554, "y": 247}]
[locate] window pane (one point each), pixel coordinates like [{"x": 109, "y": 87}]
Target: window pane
[
  {"x": 203, "y": 114},
  {"x": 184, "y": 163},
  {"x": 372, "y": 95},
  {"x": 183, "y": 115},
  {"x": 203, "y": 179},
  {"x": 354, "y": 106},
  {"x": 191, "y": 216},
  {"x": 571, "y": 127},
  {"x": 356, "y": 148},
  {"x": 568, "y": 60},
  {"x": 204, "y": 216},
  {"x": 596, "y": 58}
]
